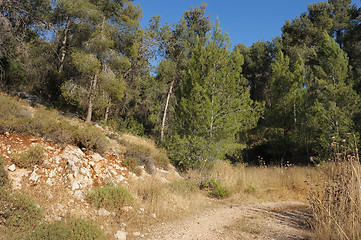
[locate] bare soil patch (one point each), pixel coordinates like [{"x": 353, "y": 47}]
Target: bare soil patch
[{"x": 277, "y": 220}]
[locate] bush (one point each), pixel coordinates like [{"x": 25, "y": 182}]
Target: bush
[
  {"x": 77, "y": 229},
  {"x": 132, "y": 164},
  {"x": 91, "y": 138},
  {"x": 110, "y": 197},
  {"x": 31, "y": 157},
  {"x": 49, "y": 124},
  {"x": 189, "y": 152},
  {"x": 4, "y": 176},
  {"x": 214, "y": 188},
  {"x": 143, "y": 156},
  {"x": 18, "y": 212}
]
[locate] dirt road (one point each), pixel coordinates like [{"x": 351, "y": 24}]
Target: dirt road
[{"x": 279, "y": 220}]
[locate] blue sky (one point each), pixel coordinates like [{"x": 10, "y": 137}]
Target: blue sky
[{"x": 246, "y": 21}]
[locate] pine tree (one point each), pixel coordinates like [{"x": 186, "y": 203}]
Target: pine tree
[{"x": 213, "y": 102}]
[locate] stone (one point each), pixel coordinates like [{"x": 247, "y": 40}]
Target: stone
[
  {"x": 122, "y": 235},
  {"x": 34, "y": 177},
  {"x": 103, "y": 212},
  {"x": 12, "y": 168},
  {"x": 127, "y": 208},
  {"x": 136, "y": 234},
  {"x": 79, "y": 195},
  {"x": 153, "y": 215}
]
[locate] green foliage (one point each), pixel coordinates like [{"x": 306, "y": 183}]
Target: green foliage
[
  {"x": 189, "y": 152},
  {"x": 28, "y": 159},
  {"x": 49, "y": 124},
  {"x": 15, "y": 76},
  {"x": 77, "y": 229},
  {"x": 91, "y": 138},
  {"x": 215, "y": 188},
  {"x": 110, "y": 197},
  {"x": 4, "y": 176},
  {"x": 86, "y": 63},
  {"x": 18, "y": 212},
  {"x": 213, "y": 104}
]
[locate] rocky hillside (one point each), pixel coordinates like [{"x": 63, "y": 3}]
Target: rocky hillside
[{"x": 60, "y": 181}]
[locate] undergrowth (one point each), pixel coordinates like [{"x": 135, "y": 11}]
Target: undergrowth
[
  {"x": 4, "y": 176},
  {"x": 77, "y": 229},
  {"x": 49, "y": 124},
  {"x": 28, "y": 159},
  {"x": 335, "y": 198},
  {"x": 18, "y": 212},
  {"x": 145, "y": 154},
  {"x": 110, "y": 197}
]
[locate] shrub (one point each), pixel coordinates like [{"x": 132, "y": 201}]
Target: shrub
[
  {"x": 143, "y": 156},
  {"x": 132, "y": 164},
  {"x": 189, "y": 152},
  {"x": 111, "y": 197},
  {"x": 148, "y": 156},
  {"x": 31, "y": 157},
  {"x": 4, "y": 177},
  {"x": 214, "y": 188},
  {"x": 77, "y": 229},
  {"x": 49, "y": 124},
  {"x": 91, "y": 138},
  {"x": 18, "y": 212}
]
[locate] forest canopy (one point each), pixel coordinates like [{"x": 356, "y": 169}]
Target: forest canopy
[{"x": 185, "y": 85}]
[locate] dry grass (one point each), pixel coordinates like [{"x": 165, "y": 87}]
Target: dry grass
[
  {"x": 249, "y": 184},
  {"x": 336, "y": 197}
]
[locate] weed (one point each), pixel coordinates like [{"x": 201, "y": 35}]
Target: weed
[
  {"x": 77, "y": 229},
  {"x": 31, "y": 157},
  {"x": 110, "y": 197}
]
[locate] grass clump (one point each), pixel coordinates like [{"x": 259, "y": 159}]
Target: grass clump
[
  {"x": 77, "y": 229},
  {"x": 18, "y": 212},
  {"x": 215, "y": 188},
  {"x": 32, "y": 156},
  {"x": 110, "y": 197},
  {"x": 4, "y": 176},
  {"x": 183, "y": 187},
  {"x": 336, "y": 198}
]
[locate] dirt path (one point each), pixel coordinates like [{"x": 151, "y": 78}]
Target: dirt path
[{"x": 279, "y": 220}]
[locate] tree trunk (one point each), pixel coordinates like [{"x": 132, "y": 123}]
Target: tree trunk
[
  {"x": 166, "y": 109},
  {"x": 107, "y": 112},
  {"x": 63, "y": 46},
  {"x": 93, "y": 85}
]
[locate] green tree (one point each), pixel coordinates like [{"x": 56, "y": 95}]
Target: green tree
[
  {"x": 330, "y": 90},
  {"x": 213, "y": 102},
  {"x": 190, "y": 31}
]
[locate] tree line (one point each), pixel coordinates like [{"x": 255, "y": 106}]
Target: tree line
[{"x": 184, "y": 84}]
